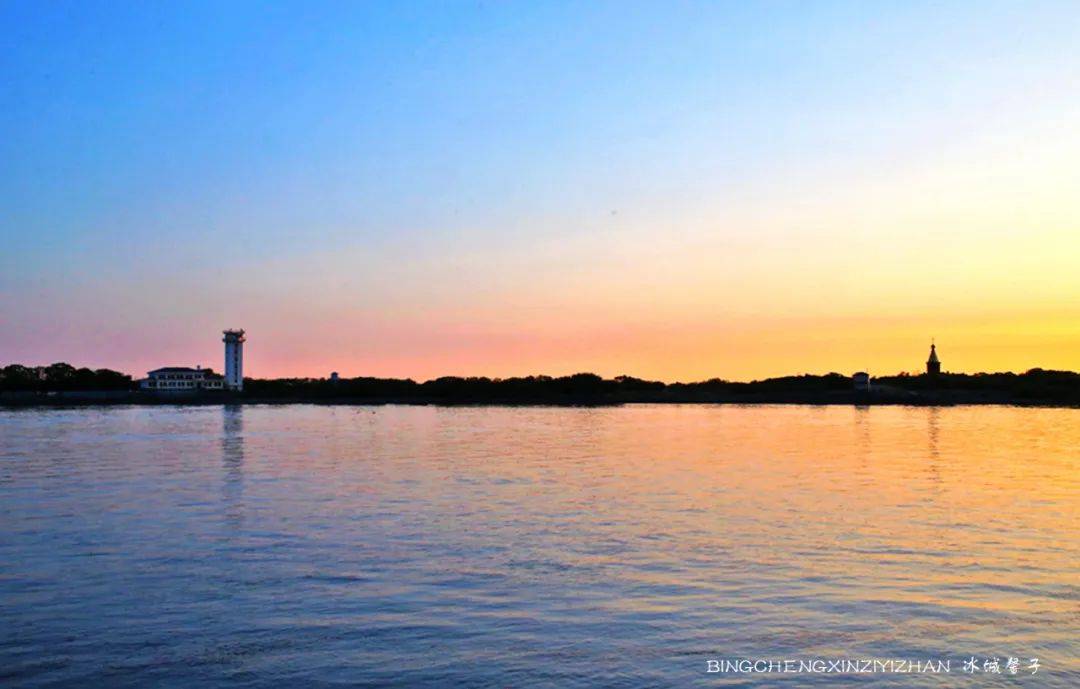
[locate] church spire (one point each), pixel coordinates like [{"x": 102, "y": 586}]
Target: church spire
[{"x": 933, "y": 364}]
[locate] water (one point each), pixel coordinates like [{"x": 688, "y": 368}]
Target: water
[{"x": 492, "y": 547}]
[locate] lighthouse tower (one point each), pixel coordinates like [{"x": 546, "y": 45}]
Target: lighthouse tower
[
  {"x": 933, "y": 365},
  {"x": 234, "y": 359}
]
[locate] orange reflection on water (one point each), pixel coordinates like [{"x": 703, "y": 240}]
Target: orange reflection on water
[{"x": 821, "y": 529}]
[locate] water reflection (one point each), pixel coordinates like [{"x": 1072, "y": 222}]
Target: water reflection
[
  {"x": 485, "y": 547},
  {"x": 232, "y": 460},
  {"x": 863, "y": 439},
  {"x": 933, "y": 422}
]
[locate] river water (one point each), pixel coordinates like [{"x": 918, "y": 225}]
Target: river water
[{"x": 268, "y": 546}]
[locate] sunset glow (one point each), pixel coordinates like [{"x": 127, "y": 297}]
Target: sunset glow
[{"x": 515, "y": 189}]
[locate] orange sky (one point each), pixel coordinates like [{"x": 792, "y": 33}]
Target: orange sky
[{"x": 683, "y": 193}]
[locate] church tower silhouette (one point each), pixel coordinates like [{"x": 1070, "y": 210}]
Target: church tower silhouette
[{"x": 933, "y": 364}]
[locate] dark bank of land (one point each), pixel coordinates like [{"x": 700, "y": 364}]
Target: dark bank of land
[{"x": 62, "y": 384}]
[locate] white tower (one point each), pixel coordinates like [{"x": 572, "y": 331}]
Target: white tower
[{"x": 234, "y": 359}]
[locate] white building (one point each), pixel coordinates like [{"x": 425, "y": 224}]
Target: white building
[
  {"x": 181, "y": 379},
  {"x": 185, "y": 379},
  {"x": 234, "y": 359}
]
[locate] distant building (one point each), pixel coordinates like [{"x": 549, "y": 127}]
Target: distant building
[
  {"x": 181, "y": 378},
  {"x": 861, "y": 381},
  {"x": 234, "y": 359},
  {"x": 185, "y": 379},
  {"x": 933, "y": 364},
  {"x": 334, "y": 377}
]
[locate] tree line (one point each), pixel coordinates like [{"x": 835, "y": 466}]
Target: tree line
[
  {"x": 585, "y": 388},
  {"x": 61, "y": 377},
  {"x": 1036, "y": 385}
]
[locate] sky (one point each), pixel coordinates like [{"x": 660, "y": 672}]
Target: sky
[{"x": 671, "y": 190}]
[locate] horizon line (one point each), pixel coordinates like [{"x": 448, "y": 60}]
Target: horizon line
[{"x": 586, "y": 373}]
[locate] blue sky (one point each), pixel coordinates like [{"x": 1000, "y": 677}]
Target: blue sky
[{"x": 152, "y": 150}]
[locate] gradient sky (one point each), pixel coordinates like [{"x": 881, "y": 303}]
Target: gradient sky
[{"x": 669, "y": 190}]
